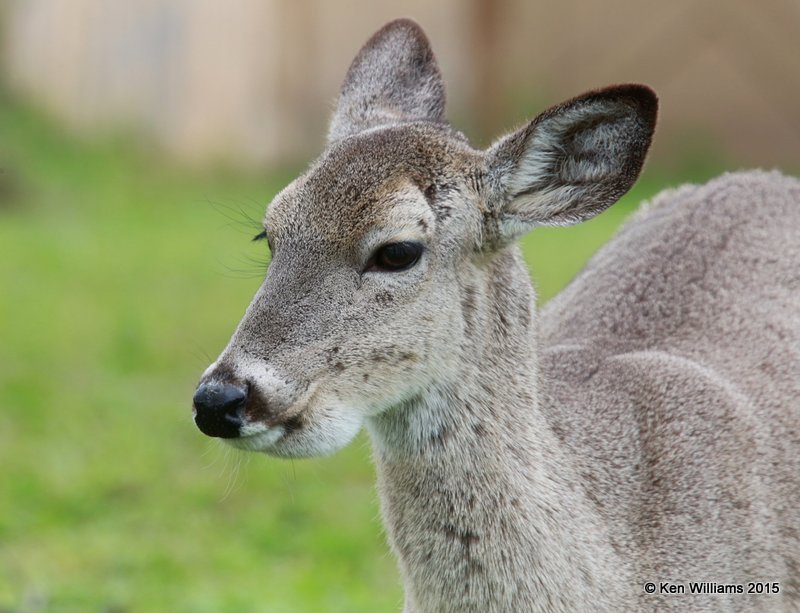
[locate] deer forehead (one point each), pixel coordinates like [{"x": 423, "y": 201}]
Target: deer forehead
[{"x": 383, "y": 182}]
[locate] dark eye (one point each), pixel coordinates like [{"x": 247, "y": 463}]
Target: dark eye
[{"x": 395, "y": 257}]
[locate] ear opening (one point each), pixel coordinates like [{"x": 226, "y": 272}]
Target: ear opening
[
  {"x": 393, "y": 79},
  {"x": 573, "y": 161}
]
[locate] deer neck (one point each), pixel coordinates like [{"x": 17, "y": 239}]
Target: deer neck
[{"x": 482, "y": 504}]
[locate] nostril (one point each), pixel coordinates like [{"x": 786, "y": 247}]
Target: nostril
[{"x": 217, "y": 409}]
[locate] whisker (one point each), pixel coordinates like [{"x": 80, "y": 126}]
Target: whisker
[
  {"x": 235, "y": 481},
  {"x": 211, "y": 446},
  {"x": 199, "y": 353}
]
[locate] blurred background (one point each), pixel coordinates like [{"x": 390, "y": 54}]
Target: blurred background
[{"x": 139, "y": 144}]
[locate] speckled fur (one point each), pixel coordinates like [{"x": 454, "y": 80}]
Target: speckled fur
[{"x": 643, "y": 428}]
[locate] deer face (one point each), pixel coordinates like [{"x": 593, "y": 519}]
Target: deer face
[
  {"x": 371, "y": 248},
  {"x": 355, "y": 315}
]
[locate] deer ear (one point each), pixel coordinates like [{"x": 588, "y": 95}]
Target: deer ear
[
  {"x": 572, "y": 162},
  {"x": 394, "y": 78}
]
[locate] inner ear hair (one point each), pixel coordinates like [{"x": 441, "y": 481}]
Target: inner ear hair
[{"x": 575, "y": 159}]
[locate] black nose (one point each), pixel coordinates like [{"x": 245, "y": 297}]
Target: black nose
[{"x": 217, "y": 409}]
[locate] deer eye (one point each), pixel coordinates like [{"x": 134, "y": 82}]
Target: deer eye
[{"x": 395, "y": 257}]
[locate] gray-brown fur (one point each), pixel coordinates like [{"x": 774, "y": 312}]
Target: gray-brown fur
[{"x": 644, "y": 427}]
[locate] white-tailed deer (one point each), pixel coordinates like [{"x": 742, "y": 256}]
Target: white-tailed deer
[{"x": 644, "y": 428}]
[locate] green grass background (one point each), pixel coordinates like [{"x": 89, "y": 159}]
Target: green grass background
[{"x": 120, "y": 278}]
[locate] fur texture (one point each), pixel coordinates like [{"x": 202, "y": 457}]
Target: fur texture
[{"x": 645, "y": 427}]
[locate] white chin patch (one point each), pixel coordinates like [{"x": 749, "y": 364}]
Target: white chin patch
[
  {"x": 257, "y": 437},
  {"x": 327, "y": 434}
]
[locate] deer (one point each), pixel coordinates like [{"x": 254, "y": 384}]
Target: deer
[{"x": 637, "y": 438}]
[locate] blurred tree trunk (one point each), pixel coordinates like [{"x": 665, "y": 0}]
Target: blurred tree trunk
[{"x": 487, "y": 84}]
